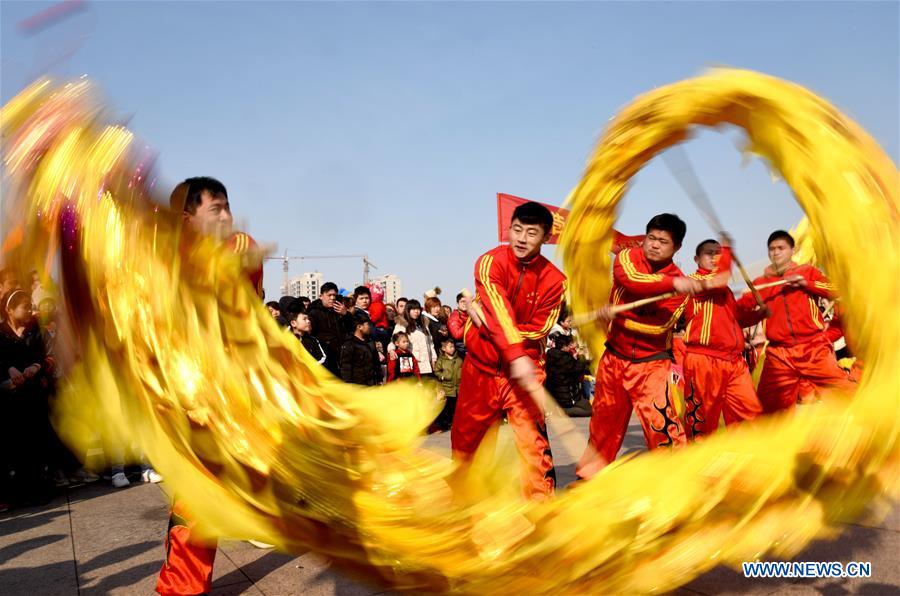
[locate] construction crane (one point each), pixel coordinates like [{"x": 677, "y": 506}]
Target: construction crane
[{"x": 286, "y": 260}]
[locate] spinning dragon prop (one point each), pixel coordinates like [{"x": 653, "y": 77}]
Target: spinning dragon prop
[{"x": 171, "y": 344}]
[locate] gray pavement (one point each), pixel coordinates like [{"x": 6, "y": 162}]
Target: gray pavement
[{"x": 95, "y": 539}]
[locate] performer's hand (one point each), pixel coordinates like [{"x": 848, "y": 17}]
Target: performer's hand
[
  {"x": 476, "y": 320},
  {"x": 725, "y": 239},
  {"x": 605, "y": 313},
  {"x": 32, "y": 370},
  {"x": 798, "y": 281},
  {"x": 687, "y": 285},
  {"x": 521, "y": 370},
  {"x": 765, "y": 310}
]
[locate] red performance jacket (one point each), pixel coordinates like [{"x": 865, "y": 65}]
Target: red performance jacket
[
  {"x": 715, "y": 319},
  {"x": 795, "y": 313},
  {"x": 643, "y": 333},
  {"x": 521, "y": 302}
]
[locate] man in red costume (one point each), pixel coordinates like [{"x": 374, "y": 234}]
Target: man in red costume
[
  {"x": 717, "y": 379},
  {"x": 799, "y": 350},
  {"x": 635, "y": 372},
  {"x": 203, "y": 201},
  {"x": 520, "y": 293}
]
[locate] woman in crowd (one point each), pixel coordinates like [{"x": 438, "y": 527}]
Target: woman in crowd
[
  {"x": 26, "y": 378},
  {"x": 416, "y": 328},
  {"x": 436, "y": 321}
]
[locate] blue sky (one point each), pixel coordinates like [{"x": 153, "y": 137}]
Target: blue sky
[{"x": 388, "y": 128}]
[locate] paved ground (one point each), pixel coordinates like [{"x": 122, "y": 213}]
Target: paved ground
[{"x": 99, "y": 540}]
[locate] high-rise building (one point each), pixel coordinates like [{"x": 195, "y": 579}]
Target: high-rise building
[
  {"x": 390, "y": 283},
  {"x": 308, "y": 284}
]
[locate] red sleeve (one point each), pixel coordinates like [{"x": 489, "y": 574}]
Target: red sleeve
[
  {"x": 817, "y": 284},
  {"x": 499, "y": 325},
  {"x": 833, "y": 333},
  {"x": 636, "y": 282},
  {"x": 416, "y": 367},
  {"x": 725, "y": 258},
  {"x": 546, "y": 314},
  {"x": 392, "y": 369},
  {"x": 747, "y": 313},
  {"x": 457, "y": 324},
  {"x": 747, "y": 301}
]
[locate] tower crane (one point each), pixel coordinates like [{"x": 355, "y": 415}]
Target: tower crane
[{"x": 286, "y": 260}]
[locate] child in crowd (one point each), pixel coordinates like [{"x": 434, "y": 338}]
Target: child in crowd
[
  {"x": 405, "y": 364},
  {"x": 448, "y": 371}
]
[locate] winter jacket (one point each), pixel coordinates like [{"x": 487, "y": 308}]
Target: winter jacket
[
  {"x": 314, "y": 347},
  {"x": 378, "y": 314},
  {"x": 437, "y": 330},
  {"x": 521, "y": 302},
  {"x": 360, "y": 363},
  {"x": 714, "y": 319},
  {"x": 456, "y": 323},
  {"x": 404, "y": 366},
  {"x": 643, "y": 333},
  {"x": 795, "y": 315},
  {"x": 564, "y": 375},
  {"x": 332, "y": 330},
  {"x": 448, "y": 370},
  {"x": 21, "y": 352}
]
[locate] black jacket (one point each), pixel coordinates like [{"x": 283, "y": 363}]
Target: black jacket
[
  {"x": 314, "y": 347},
  {"x": 21, "y": 352},
  {"x": 359, "y": 362},
  {"x": 564, "y": 376},
  {"x": 332, "y": 330}
]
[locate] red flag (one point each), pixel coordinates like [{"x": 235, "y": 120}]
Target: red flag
[{"x": 506, "y": 204}]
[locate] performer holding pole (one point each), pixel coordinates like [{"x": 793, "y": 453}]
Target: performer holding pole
[
  {"x": 520, "y": 293},
  {"x": 635, "y": 371},
  {"x": 799, "y": 350},
  {"x": 716, "y": 377}
]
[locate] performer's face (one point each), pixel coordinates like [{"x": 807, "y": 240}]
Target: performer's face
[
  {"x": 526, "y": 239},
  {"x": 780, "y": 252},
  {"x": 213, "y": 215},
  {"x": 659, "y": 246},
  {"x": 709, "y": 256}
]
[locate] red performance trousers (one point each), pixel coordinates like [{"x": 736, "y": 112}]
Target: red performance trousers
[
  {"x": 483, "y": 398},
  {"x": 623, "y": 386},
  {"x": 787, "y": 367},
  {"x": 188, "y": 567},
  {"x": 713, "y": 387}
]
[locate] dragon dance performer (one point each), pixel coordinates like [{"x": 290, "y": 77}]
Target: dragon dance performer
[
  {"x": 717, "y": 379},
  {"x": 521, "y": 293},
  {"x": 799, "y": 350},
  {"x": 635, "y": 371},
  {"x": 188, "y": 567}
]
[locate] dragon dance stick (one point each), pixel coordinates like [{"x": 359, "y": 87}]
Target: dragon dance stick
[
  {"x": 614, "y": 310},
  {"x": 677, "y": 161}
]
